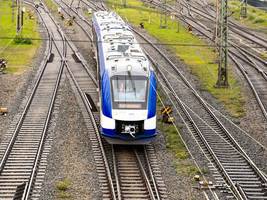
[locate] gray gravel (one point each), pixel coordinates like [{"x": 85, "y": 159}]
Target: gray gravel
[
  {"x": 70, "y": 157},
  {"x": 177, "y": 185},
  {"x": 254, "y": 150}
]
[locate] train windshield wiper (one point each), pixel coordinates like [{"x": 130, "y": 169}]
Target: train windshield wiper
[{"x": 132, "y": 82}]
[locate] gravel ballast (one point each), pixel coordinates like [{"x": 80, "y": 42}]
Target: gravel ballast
[{"x": 70, "y": 157}]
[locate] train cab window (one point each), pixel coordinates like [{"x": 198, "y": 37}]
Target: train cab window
[{"x": 129, "y": 92}]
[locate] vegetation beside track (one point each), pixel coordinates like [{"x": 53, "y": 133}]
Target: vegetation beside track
[
  {"x": 174, "y": 143},
  {"x": 18, "y": 52},
  {"x": 256, "y": 18},
  {"x": 189, "y": 48},
  {"x": 51, "y": 5},
  {"x": 62, "y": 189}
]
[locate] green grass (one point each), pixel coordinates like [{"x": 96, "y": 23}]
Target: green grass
[
  {"x": 63, "y": 185},
  {"x": 51, "y": 5},
  {"x": 256, "y": 18},
  {"x": 199, "y": 58},
  {"x": 62, "y": 189},
  {"x": 175, "y": 145},
  {"x": 18, "y": 52},
  {"x": 174, "y": 142}
]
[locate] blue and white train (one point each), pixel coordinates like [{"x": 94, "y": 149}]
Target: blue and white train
[{"x": 127, "y": 83}]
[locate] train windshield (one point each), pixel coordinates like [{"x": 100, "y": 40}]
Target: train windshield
[{"x": 129, "y": 92}]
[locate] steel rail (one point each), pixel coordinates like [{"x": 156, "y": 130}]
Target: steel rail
[
  {"x": 42, "y": 140},
  {"x": 255, "y": 93},
  {"x": 116, "y": 175},
  {"x": 202, "y": 102},
  {"x": 134, "y": 30},
  {"x": 205, "y": 106},
  {"x": 87, "y": 103},
  {"x": 88, "y": 108},
  {"x": 86, "y": 32},
  {"x": 114, "y": 157},
  {"x": 198, "y": 97},
  {"x": 258, "y": 99},
  {"x": 218, "y": 163},
  {"x": 28, "y": 187},
  {"x": 233, "y": 187},
  {"x": 151, "y": 173},
  {"x": 233, "y": 26},
  {"x": 145, "y": 177},
  {"x": 253, "y": 62},
  {"x": 27, "y": 106}
]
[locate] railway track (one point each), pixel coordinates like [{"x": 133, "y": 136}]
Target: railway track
[
  {"x": 21, "y": 155},
  {"x": 84, "y": 82},
  {"x": 208, "y": 16},
  {"x": 133, "y": 174},
  {"x": 237, "y": 170},
  {"x": 217, "y": 140},
  {"x": 212, "y": 135},
  {"x": 229, "y": 160},
  {"x": 109, "y": 184},
  {"x": 252, "y": 67}
]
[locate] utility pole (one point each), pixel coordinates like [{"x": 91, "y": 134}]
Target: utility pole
[
  {"x": 223, "y": 43},
  {"x": 124, "y": 3},
  {"x": 243, "y": 10},
  {"x": 163, "y": 16},
  {"x": 13, "y": 10},
  {"x": 18, "y": 16},
  {"x": 216, "y": 33},
  {"x": 20, "y": 12}
]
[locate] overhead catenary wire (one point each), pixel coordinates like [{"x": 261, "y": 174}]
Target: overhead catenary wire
[{"x": 144, "y": 43}]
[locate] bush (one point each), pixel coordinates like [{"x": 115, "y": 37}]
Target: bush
[
  {"x": 251, "y": 17},
  {"x": 21, "y": 40},
  {"x": 259, "y": 20},
  {"x": 63, "y": 185}
]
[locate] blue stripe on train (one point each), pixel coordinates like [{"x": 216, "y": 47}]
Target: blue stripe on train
[
  {"x": 112, "y": 133},
  {"x": 152, "y": 99},
  {"x": 105, "y": 80},
  {"x": 106, "y": 96}
]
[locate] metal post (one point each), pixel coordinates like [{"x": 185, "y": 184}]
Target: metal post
[
  {"x": 13, "y": 10},
  {"x": 163, "y": 15},
  {"x": 124, "y": 3},
  {"x": 223, "y": 49},
  {"x": 18, "y": 16},
  {"x": 243, "y": 9},
  {"x": 216, "y": 33}
]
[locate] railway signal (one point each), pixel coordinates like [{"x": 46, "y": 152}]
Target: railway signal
[
  {"x": 166, "y": 112},
  {"x": 222, "y": 80}
]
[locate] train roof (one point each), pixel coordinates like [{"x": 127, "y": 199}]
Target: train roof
[{"x": 121, "y": 51}]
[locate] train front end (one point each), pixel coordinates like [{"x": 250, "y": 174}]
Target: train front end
[{"x": 132, "y": 119}]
